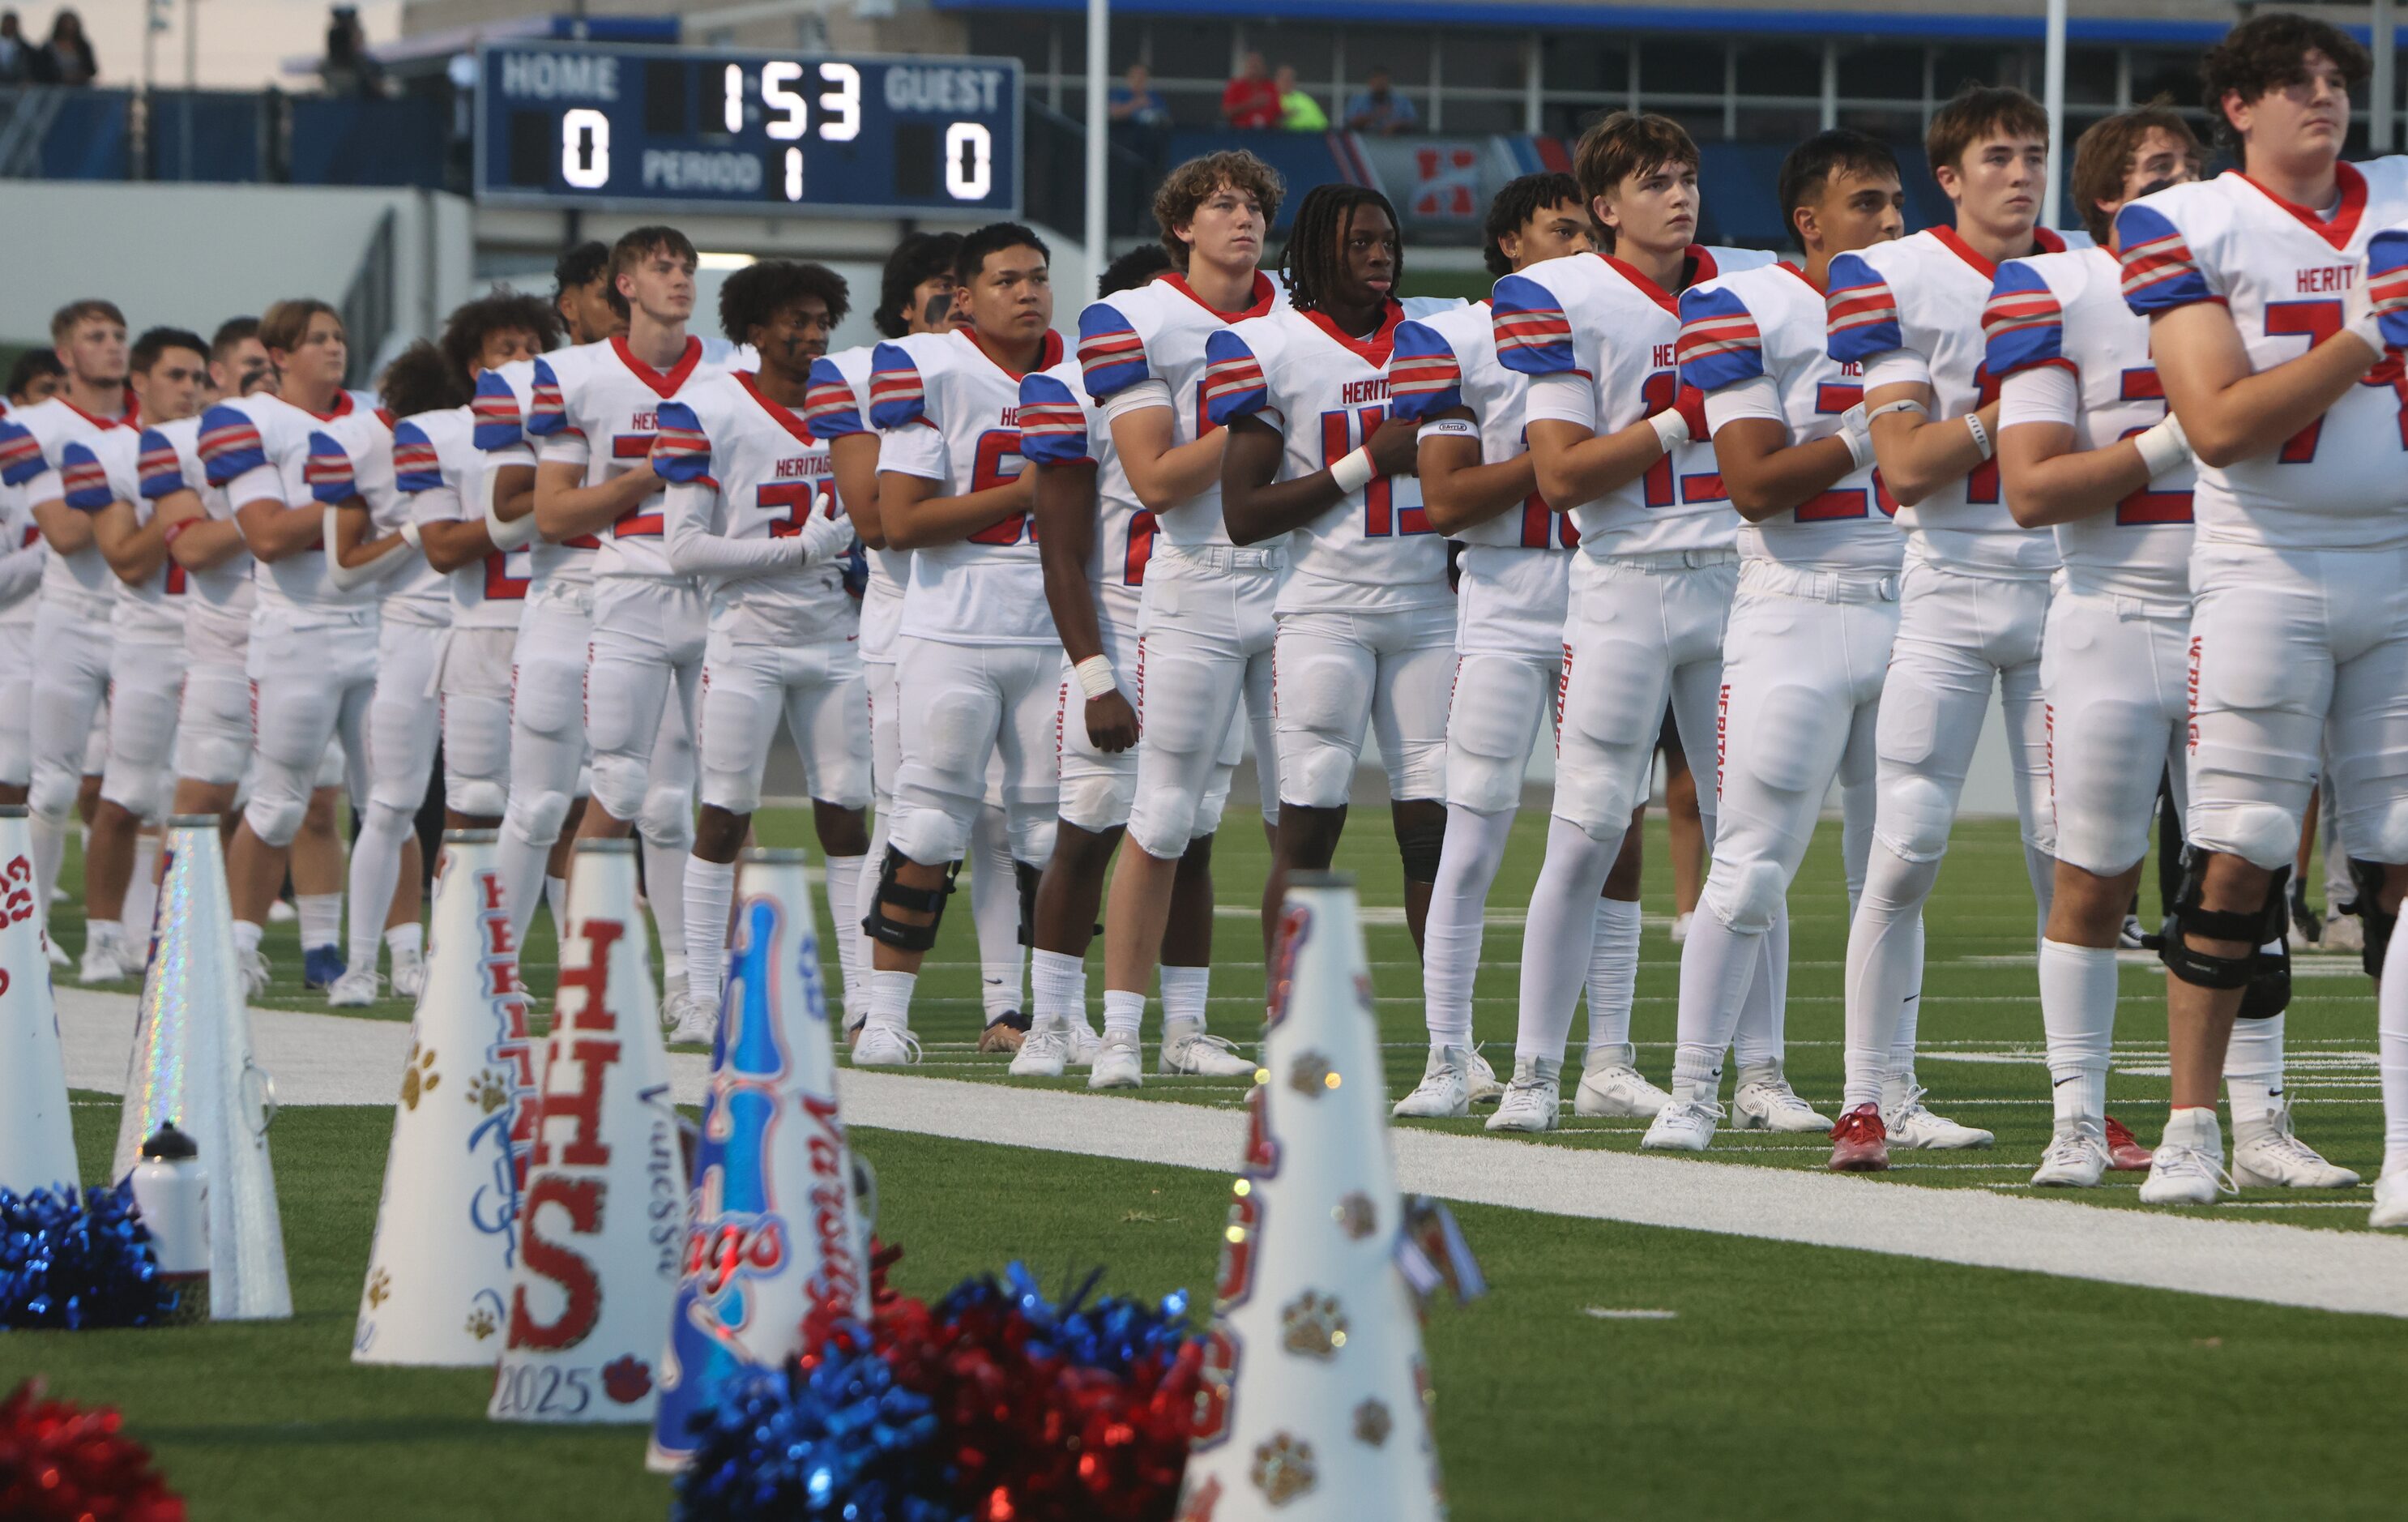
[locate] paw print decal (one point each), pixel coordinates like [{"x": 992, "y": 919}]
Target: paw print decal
[
  {"x": 380, "y": 1288},
  {"x": 481, "y": 1324},
  {"x": 627, "y": 1378},
  {"x": 488, "y": 1092},
  {"x": 418, "y": 1076}
]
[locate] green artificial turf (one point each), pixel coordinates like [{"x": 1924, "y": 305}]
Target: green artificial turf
[{"x": 1788, "y": 1382}]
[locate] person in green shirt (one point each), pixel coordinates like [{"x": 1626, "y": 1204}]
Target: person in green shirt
[{"x": 1299, "y": 111}]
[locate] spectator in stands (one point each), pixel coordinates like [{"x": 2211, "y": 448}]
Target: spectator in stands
[
  {"x": 1251, "y": 100},
  {"x": 1135, "y": 102},
  {"x": 1299, "y": 111},
  {"x": 1379, "y": 109},
  {"x": 66, "y": 58},
  {"x": 12, "y": 48},
  {"x": 347, "y": 70}
]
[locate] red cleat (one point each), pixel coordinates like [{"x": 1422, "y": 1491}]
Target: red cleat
[
  {"x": 1860, "y": 1143},
  {"x": 2125, "y": 1153}
]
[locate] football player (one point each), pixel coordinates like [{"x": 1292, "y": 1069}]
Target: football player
[
  {"x": 753, "y": 516},
  {"x": 166, "y": 369},
  {"x": 1616, "y": 442},
  {"x": 238, "y": 360},
  {"x": 1972, "y": 599},
  {"x": 1481, "y": 490},
  {"x": 23, "y": 555},
  {"x": 71, "y": 624},
  {"x": 978, "y": 659},
  {"x": 2271, "y": 302},
  {"x": 435, "y": 461},
  {"x": 1817, "y": 609},
  {"x": 1205, "y": 624},
  {"x": 1365, "y": 625}
]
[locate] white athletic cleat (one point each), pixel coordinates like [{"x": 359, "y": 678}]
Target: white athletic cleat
[
  {"x": 2390, "y": 1199},
  {"x": 104, "y": 953},
  {"x": 282, "y": 913},
  {"x": 1046, "y": 1051},
  {"x": 1680, "y": 927},
  {"x": 1533, "y": 1100},
  {"x": 882, "y": 1045},
  {"x": 693, "y": 1018},
  {"x": 2075, "y": 1160},
  {"x": 252, "y": 965},
  {"x": 2267, "y": 1155},
  {"x": 2188, "y": 1168},
  {"x": 1481, "y": 1080},
  {"x": 1444, "y": 1092},
  {"x": 1683, "y": 1125},
  {"x": 56, "y": 953},
  {"x": 1189, "y": 1051},
  {"x": 1119, "y": 1063},
  {"x": 408, "y": 976},
  {"x": 1910, "y": 1125},
  {"x": 1766, "y": 1102},
  {"x": 354, "y": 990},
  {"x": 2342, "y": 933},
  {"x": 1610, "y": 1087},
  {"x": 1085, "y": 1042}
]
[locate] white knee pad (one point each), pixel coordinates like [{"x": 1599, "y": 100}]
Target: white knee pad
[
  {"x": 1489, "y": 732},
  {"x": 1098, "y": 800},
  {"x": 620, "y": 785},
  {"x": 539, "y": 815},
  {"x": 667, "y": 817},
  {"x": 2265, "y": 835},
  {"x": 1747, "y": 895},
  {"x": 1216, "y": 802},
  {"x": 1030, "y": 830},
  {"x": 1913, "y": 817},
  {"x": 53, "y": 794},
  {"x": 1322, "y": 710},
  {"x": 1799, "y": 734},
  {"x": 1418, "y": 770},
  {"x": 480, "y": 797},
  {"x": 929, "y": 832},
  {"x": 388, "y": 818},
  {"x": 140, "y": 791},
  {"x": 276, "y": 809}
]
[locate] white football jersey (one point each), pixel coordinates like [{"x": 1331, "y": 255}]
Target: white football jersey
[
  {"x": 1911, "y": 312},
  {"x": 947, "y": 411},
  {"x": 1448, "y": 360},
  {"x": 263, "y": 448},
  {"x": 439, "y": 471},
  {"x": 741, "y": 466},
  {"x": 1750, "y": 326},
  {"x": 1059, "y": 425},
  {"x": 415, "y": 591},
  {"x": 1158, "y": 332},
  {"x": 170, "y": 462},
  {"x": 32, "y": 442},
  {"x": 2067, "y": 350},
  {"x": 22, "y": 556},
  {"x": 2282, "y": 272},
  {"x": 504, "y": 402},
  {"x": 838, "y": 404},
  {"x": 1327, "y": 391},
  {"x": 597, "y": 407},
  {"x": 98, "y": 472},
  {"x": 1597, "y": 320}
]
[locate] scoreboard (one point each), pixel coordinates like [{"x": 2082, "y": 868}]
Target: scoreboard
[{"x": 613, "y": 127}]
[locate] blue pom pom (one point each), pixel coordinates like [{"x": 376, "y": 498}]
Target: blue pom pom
[{"x": 72, "y": 1263}]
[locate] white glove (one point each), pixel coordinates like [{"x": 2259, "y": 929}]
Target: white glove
[
  {"x": 2163, "y": 448},
  {"x": 2358, "y": 319},
  {"x": 1858, "y": 435},
  {"x": 822, "y": 538}
]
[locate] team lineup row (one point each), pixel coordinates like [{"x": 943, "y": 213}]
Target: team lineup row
[{"x": 1822, "y": 506}]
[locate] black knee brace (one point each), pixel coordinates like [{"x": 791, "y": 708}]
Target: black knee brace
[
  {"x": 1027, "y": 877},
  {"x": 2190, "y": 918},
  {"x": 929, "y": 901},
  {"x": 2269, "y": 985},
  {"x": 1421, "y": 845},
  {"x": 2369, "y": 875}
]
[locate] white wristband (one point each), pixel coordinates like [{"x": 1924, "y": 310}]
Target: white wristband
[
  {"x": 1448, "y": 428},
  {"x": 1858, "y": 435},
  {"x": 1096, "y": 676},
  {"x": 515, "y": 534},
  {"x": 1353, "y": 472},
  {"x": 1981, "y": 435},
  {"x": 1670, "y": 427},
  {"x": 1904, "y": 404},
  {"x": 409, "y": 536},
  {"x": 2163, "y": 448}
]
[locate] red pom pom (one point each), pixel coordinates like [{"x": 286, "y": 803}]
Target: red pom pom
[{"x": 59, "y": 1463}]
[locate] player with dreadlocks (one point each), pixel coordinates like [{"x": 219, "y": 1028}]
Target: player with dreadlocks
[{"x": 1366, "y": 620}]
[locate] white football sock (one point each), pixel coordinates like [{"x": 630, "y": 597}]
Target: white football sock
[
  {"x": 1122, "y": 1011},
  {"x": 995, "y": 905},
  {"x": 519, "y": 862},
  {"x": 375, "y": 875},
  {"x": 1612, "y": 973},
  {"x": 142, "y": 891},
  {"x": 321, "y": 922},
  {"x": 556, "y": 899},
  {"x": 1718, "y": 968},
  {"x": 1558, "y": 935},
  {"x": 2253, "y": 1068},
  {"x": 247, "y": 935},
  {"x": 1467, "y": 866},
  {"x": 2077, "y": 1009},
  {"x": 1185, "y": 993},
  {"x": 2041, "y": 868},
  {"x": 2391, "y": 1058},
  {"x": 709, "y": 897},
  {"x": 1884, "y": 966},
  {"x": 1058, "y": 986},
  {"x": 864, "y": 902},
  {"x": 50, "y": 850},
  {"x": 1761, "y": 1039},
  {"x": 890, "y": 997},
  {"x": 406, "y": 944},
  {"x": 844, "y": 876},
  {"x": 665, "y": 886}
]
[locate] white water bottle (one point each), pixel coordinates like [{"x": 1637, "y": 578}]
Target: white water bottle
[{"x": 173, "y": 1195}]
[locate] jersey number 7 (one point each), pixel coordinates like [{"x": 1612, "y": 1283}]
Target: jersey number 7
[{"x": 2316, "y": 321}]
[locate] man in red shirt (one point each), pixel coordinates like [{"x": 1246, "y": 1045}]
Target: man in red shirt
[{"x": 1251, "y": 99}]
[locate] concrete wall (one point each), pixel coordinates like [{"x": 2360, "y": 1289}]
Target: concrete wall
[{"x": 194, "y": 255}]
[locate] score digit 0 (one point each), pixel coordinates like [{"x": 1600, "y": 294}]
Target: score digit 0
[{"x": 969, "y": 153}]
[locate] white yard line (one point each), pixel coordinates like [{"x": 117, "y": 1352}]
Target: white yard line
[{"x": 327, "y": 1059}]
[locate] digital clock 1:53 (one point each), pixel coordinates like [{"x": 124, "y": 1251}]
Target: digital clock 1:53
[{"x": 616, "y": 126}]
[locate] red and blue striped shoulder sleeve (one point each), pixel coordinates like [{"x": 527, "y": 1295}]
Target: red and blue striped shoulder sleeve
[
  {"x": 85, "y": 478},
  {"x": 20, "y": 454},
  {"x": 1425, "y": 377},
  {"x": 1234, "y": 385},
  {"x": 1534, "y": 337},
  {"x": 2160, "y": 272},
  {"x": 230, "y": 444},
  {"x": 1053, "y": 424},
  {"x": 1720, "y": 344},
  {"x": 547, "y": 413},
  {"x": 1110, "y": 355},
  {"x": 328, "y": 470},
  {"x": 899, "y": 395},
  {"x": 161, "y": 467},
  {"x": 2386, "y": 274},
  {"x": 416, "y": 466},
  {"x": 681, "y": 450},
  {"x": 2023, "y": 324},
  {"x": 496, "y": 421},
  {"x": 1859, "y": 312},
  {"x": 830, "y": 408}
]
